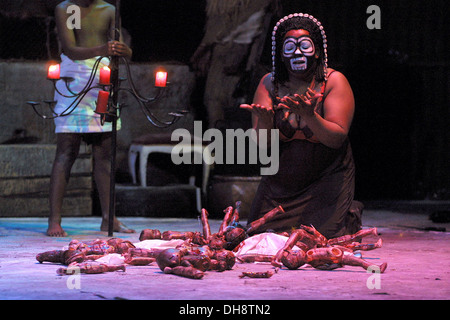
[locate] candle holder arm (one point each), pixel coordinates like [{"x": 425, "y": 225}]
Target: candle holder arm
[
  {"x": 133, "y": 87},
  {"x": 88, "y": 85},
  {"x": 143, "y": 104}
]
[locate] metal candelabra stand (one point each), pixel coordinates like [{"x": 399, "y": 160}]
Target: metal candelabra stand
[{"x": 113, "y": 109}]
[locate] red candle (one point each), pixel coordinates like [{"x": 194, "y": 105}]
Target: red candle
[
  {"x": 53, "y": 72},
  {"x": 161, "y": 79},
  {"x": 102, "y": 102},
  {"x": 105, "y": 75}
]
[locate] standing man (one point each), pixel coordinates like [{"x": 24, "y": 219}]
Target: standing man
[{"x": 82, "y": 43}]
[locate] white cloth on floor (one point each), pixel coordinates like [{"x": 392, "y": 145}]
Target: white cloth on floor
[
  {"x": 112, "y": 259},
  {"x": 158, "y": 244},
  {"x": 262, "y": 244}
]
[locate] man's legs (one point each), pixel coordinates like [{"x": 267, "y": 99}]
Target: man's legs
[
  {"x": 101, "y": 149},
  {"x": 67, "y": 148}
]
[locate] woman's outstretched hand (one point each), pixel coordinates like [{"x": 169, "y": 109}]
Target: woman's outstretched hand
[
  {"x": 303, "y": 105},
  {"x": 265, "y": 114}
]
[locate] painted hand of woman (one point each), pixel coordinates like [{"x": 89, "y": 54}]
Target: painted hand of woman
[
  {"x": 303, "y": 105},
  {"x": 265, "y": 114}
]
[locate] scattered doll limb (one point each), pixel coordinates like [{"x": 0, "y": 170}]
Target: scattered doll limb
[
  {"x": 259, "y": 274},
  {"x": 89, "y": 268},
  {"x": 352, "y": 237},
  {"x": 187, "y": 272},
  {"x": 294, "y": 237},
  {"x": 257, "y": 224},
  {"x": 351, "y": 260},
  {"x": 205, "y": 224},
  {"x": 226, "y": 219}
]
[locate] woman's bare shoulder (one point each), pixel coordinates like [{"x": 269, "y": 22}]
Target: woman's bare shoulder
[
  {"x": 335, "y": 75},
  {"x": 336, "y": 79},
  {"x": 266, "y": 81}
]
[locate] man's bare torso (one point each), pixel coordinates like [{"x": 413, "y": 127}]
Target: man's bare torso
[{"x": 96, "y": 22}]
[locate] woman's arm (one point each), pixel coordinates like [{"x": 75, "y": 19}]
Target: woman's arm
[
  {"x": 339, "y": 106},
  {"x": 262, "y": 107}
]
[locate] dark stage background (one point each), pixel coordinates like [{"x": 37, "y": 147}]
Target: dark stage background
[{"x": 399, "y": 74}]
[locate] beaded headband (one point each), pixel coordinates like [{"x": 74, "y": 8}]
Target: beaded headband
[{"x": 322, "y": 31}]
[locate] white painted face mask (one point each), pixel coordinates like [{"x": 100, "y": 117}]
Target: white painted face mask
[
  {"x": 319, "y": 53},
  {"x": 297, "y": 51}
]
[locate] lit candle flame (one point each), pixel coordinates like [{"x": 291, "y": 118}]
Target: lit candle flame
[
  {"x": 105, "y": 75},
  {"x": 53, "y": 68},
  {"x": 161, "y": 79},
  {"x": 53, "y": 71}
]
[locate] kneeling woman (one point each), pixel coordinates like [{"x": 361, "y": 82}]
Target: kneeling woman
[{"x": 312, "y": 106}]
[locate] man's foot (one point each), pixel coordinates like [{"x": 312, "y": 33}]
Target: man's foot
[
  {"x": 55, "y": 230},
  {"x": 118, "y": 226}
]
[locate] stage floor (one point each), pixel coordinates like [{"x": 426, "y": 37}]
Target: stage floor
[{"x": 418, "y": 266}]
